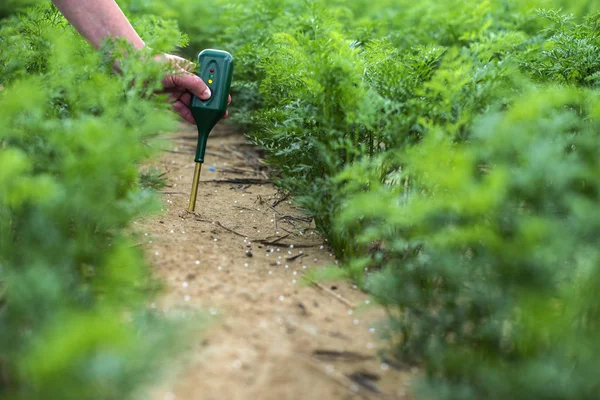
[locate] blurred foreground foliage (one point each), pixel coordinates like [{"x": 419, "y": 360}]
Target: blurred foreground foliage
[
  {"x": 449, "y": 153},
  {"x": 75, "y": 321}
]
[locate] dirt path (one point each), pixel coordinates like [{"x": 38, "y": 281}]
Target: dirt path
[{"x": 272, "y": 336}]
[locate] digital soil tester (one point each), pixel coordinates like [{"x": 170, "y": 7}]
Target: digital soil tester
[{"x": 215, "y": 67}]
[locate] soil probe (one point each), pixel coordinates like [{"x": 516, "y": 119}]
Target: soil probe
[{"x": 215, "y": 67}]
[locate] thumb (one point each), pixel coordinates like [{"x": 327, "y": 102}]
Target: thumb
[{"x": 193, "y": 84}]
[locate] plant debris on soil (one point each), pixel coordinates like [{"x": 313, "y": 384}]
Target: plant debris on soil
[{"x": 273, "y": 336}]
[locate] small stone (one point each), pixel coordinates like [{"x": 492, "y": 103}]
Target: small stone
[
  {"x": 219, "y": 268},
  {"x": 281, "y": 298},
  {"x": 355, "y": 322},
  {"x": 169, "y": 396},
  {"x": 372, "y": 330},
  {"x": 197, "y": 262},
  {"x": 350, "y": 312},
  {"x": 246, "y": 265},
  {"x": 291, "y": 246},
  {"x": 185, "y": 284},
  {"x": 384, "y": 367},
  {"x": 187, "y": 298},
  {"x": 249, "y": 253}
]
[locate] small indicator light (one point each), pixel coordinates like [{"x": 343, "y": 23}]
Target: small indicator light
[
  {"x": 212, "y": 70},
  {"x": 210, "y": 81},
  {"x": 212, "y": 76}
]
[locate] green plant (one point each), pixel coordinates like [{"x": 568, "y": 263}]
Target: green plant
[{"x": 74, "y": 319}]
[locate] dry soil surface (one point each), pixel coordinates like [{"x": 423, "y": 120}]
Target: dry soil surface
[{"x": 241, "y": 258}]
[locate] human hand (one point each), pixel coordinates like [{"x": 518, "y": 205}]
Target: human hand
[{"x": 181, "y": 83}]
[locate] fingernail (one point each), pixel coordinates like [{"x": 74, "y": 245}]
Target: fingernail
[{"x": 206, "y": 94}]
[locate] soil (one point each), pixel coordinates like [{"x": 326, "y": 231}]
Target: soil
[{"x": 273, "y": 335}]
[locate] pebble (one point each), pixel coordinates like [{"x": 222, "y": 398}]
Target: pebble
[
  {"x": 197, "y": 262},
  {"x": 248, "y": 253},
  {"x": 372, "y": 330},
  {"x": 350, "y": 312},
  {"x": 281, "y": 298},
  {"x": 187, "y": 298},
  {"x": 211, "y": 169},
  {"x": 246, "y": 265},
  {"x": 355, "y": 322},
  {"x": 220, "y": 268},
  {"x": 169, "y": 396},
  {"x": 185, "y": 284}
]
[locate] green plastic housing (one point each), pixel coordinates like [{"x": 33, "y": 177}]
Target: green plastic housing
[{"x": 215, "y": 67}]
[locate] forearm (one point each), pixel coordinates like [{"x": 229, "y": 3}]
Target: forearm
[{"x": 98, "y": 19}]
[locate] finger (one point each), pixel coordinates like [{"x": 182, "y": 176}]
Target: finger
[
  {"x": 192, "y": 83},
  {"x": 226, "y": 114},
  {"x": 186, "y": 98},
  {"x": 229, "y": 100},
  {"x": 184, "y": 111}
]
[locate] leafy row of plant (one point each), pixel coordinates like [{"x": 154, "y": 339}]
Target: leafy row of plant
[
  {"x": 74, "y": 289},
  {"x": 448, "y": 151}
]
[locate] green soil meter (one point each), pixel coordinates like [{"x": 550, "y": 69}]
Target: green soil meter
[{"x": 215, "y": 67}]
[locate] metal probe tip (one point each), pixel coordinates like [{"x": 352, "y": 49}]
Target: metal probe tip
[{"x": 194, "y": 193}]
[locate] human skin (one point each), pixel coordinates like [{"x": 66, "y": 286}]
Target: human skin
[{"x": 97, "y": 20}]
